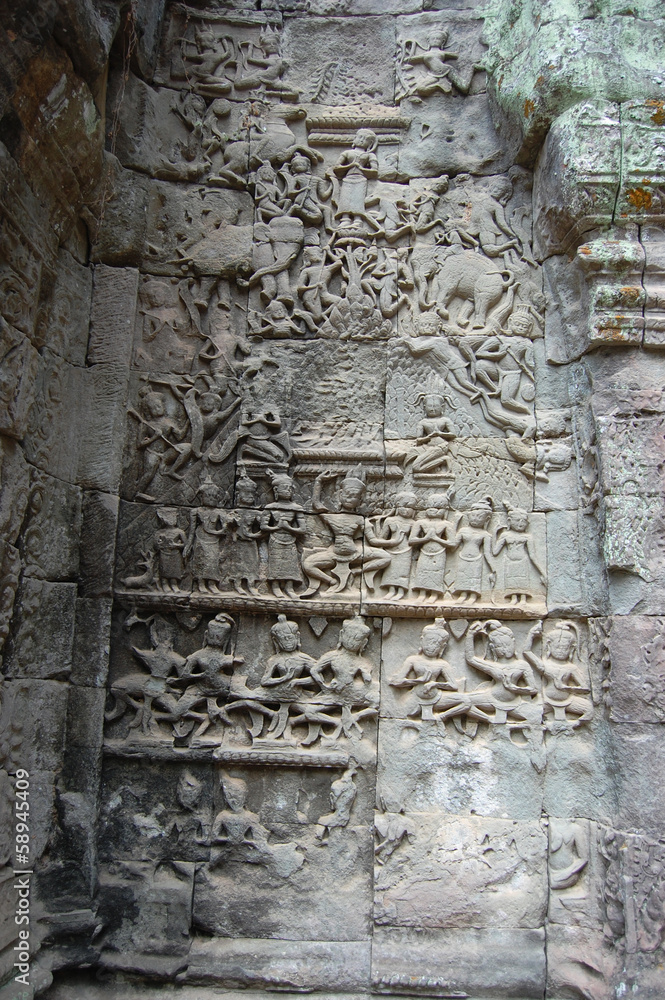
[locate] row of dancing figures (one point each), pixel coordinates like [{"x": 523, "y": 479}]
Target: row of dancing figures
[
  {"x": 328, "y": 695},
  {"x": 341, "y": 677},
  {"x": 554, "y": 680}
]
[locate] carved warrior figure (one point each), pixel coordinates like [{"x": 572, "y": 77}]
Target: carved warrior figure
[
  {"x": 435, "y": 695},
  {"x": 497, "y": 376},
  {"x": 217, "y": 65},
  {"x": 170, "y": 544},
  {"x": 149, "y": 694},
  {"x": 474, "y": 557},
  {"x": 344, "y": 671},
  {"x": 206, "y": 526},
  {"x": 261, "y": 67},
  {"x": 568, "y": 853},
  {"x": 236, "y": 826},
  {"x": 241, "y": 555},
  {"x": 158, "y": 437},
  {"x": 393, "y": 534},
  {"x": 435, "y": 431},
  {"x": 206, "y": 677},
  {"x": 163, "y": 313},
  {"x": 172, "y": 443},
  {"x": 299, "y": 700},
  {"x": 391, "y": 827},
  {"x": 180, "y": 691},
  {"x": 511, "y": 676},
  {"x": 520, "y": 559}
]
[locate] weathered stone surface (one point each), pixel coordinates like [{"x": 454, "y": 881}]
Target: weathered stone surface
[
  {"x": 652, "y": 281},
  {"x": 85, "y": 716},
  {"x": 104, "y": 398},
  {"x": 51, "y": 530},
  {"x": 42, "y": 644},
  {"x": 99, "y": 512},
  {"x": 470, "y": 872},
  {"x": 636, "y": 681},
  {"x": 132, "y": 896},
  {"x": 19, "y": 361},
  {"x": 40, "y": 707},
  {"x": 316, "y": 965},
  {"x": 543, "y": 62},
  {"x": 86, "y": 31},
  {"x": 577, "y": 176},
  {"x": 488, "y": 962},
  {"x": 112, "y": 314},
  {"x": 638, "y": 753},
  {"x": 340, "y": 62},
  {"x": 568, "y": 972},
  {"x": 331, "y": 577},
  {"x": 159, "y": 225},
  {"x": 65, "y": 317},
  {"x": 419, "y": 770},
  {"x": 138, "y": 819},
  {"x": 59, "y": 125},
  {"x": 286, "y": 895}
]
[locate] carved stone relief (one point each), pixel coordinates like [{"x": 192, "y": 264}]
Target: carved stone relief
[{"x": 332, "y": 579}]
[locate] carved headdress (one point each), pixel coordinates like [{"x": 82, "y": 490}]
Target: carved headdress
[
  {"x": 219, "y": 628},
  {"x": 270, "y": 38},
  {"x": 564, "y": 629},
  {"x": 496, "y": 630},
  {"x": 441, "y": 501},
  {"x": 406, "y": 500},
  {"x": 279, "y": 478},
  {"x": 283, "y": 627},
  {"x": 438, "y": 628},
  {"x": 244, "y": 483},
  {"x": 366, "y": 135},
  {"x": 356, "y": 630},
  {"x": 355, "y": 477},
  {"x": 210, "y": 488}
]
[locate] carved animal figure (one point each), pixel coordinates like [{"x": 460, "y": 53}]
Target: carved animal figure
[{"x": 442, "y": 276}]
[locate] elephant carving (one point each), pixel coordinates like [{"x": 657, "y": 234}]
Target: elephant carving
[{"x": 442, "y": 275}]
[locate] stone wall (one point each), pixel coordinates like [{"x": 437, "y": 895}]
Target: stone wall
[{"x": 332, "y": 493}]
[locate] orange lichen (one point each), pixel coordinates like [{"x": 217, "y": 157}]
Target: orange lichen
[
  {"x": 630, "y": 294},
  {"x": 529, "y": 107},
  {"x": 658, "y": 117},
  {"x": 640, "y": 198},
  {"x": 614, "y": 329}
]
